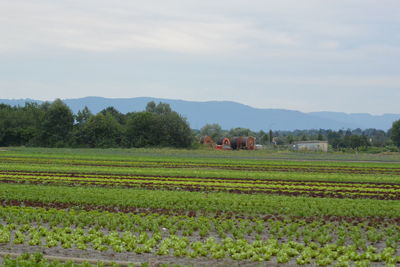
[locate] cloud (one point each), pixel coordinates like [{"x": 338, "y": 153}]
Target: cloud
[
  {"x": 208, "y": 27},
  {"x": 355, "y": 82},
  {"x": 57, "y": 26}
]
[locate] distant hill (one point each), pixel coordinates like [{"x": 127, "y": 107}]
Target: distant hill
[{"x": 232, "y": 114}]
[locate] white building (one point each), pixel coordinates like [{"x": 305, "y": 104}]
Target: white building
[{"x": 311, "y": 146}]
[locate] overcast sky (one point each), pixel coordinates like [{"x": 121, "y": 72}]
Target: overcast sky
[{"x": 311, "y": 55}]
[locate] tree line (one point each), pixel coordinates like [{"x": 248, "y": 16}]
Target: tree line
[
  {"x": 55, "y": 125},
  {"x": 339, "y": 140}
]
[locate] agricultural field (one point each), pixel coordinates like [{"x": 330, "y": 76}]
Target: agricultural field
[{"x": 161, "y": 207}]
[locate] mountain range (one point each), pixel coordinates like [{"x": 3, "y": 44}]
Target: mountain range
[{"x": 232, "y": 114}]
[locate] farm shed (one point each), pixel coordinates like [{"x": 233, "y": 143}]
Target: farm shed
[
  {"x": 311, "y": 146},
  {"x": 242, "y": 142}
]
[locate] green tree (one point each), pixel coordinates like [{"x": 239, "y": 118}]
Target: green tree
[
  {"x": 160, "y": 108},
  {"x": 151, "y": 107},
  {"x": 115, "y": 113},
  {"x": 142, "y": 129},
  {"x": 7, "y": 126},
  {"x": 101, "y": 131},
  {"x": 262, "y": 137},
  {"x": 395, "y": 133},
  {"x": 79, "y": 132},
  {"x": 20, "y": 125},
  {"x": 34, "y": 115},
  {"x": 355, "y": 141},
  {"x": 271, "y": 136},
  {"x": 175, "y": 130},
  {"x": 214, "y": 130},
  {"x": 158, "y": 126},
  {"x": 335, "y": 139},
  {"x": 378, "y": 138},
  {"x": 83, "y": 116},
  {"x": 241, "y": 132},
  {"x": 320, "y": 137},
  {"x": 57, "y": 125}
]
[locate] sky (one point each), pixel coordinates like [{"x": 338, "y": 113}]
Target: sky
[{"x": 311, "y": 55}]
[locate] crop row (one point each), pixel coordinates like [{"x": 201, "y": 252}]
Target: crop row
[
  {"x": 194, "y": 209},
  {"x": 197, "y": 201},
  {"x": 191, "y": 158},
  {"x": 238, "y": 190},
  {"x": 321, "y": 244},
  {"x": 296, "y": 229},
  {"x": 319, "y": 189},
  {"x": 18, "y": 173},
  {"x": 360, "y": 159},
  {"x": 240, "y": 249},
  {"x": 235, "y": 165},
  {"x": 201, "y": 173},
  {"x": 224, "y": 215},
  {"x": 39, "y": 260}
]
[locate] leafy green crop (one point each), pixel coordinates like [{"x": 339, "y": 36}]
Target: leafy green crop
[
  {"x": 211, "y": 202},
  {"x": 113, "y": 201}
]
